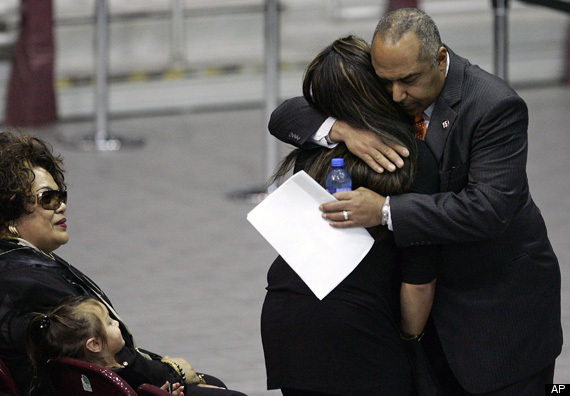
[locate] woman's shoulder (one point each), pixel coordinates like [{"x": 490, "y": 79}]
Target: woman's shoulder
[
  {"x": 14, "y": 256},
  {"x": 26, "y": 275}
]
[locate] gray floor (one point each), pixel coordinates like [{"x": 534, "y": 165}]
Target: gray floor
[{"x": 154, "y": 227}]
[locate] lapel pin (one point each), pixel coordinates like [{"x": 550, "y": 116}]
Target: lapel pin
[{"x": 445, "y": 124}]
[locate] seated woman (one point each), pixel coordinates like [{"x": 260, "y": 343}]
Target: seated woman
[
  {"x": 349, "y": 343},
  {"x": 80, "y": 327},
  {"x": 33, "y": 202}
]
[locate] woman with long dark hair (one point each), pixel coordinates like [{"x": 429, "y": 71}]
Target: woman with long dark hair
[{"x": 349, "y": 343}]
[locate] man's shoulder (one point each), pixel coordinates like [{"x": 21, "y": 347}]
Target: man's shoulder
[
  {"x": 479, "y": 92},
  {"x": 478, "y": 83},
  {"x": 482, "y": 81}
]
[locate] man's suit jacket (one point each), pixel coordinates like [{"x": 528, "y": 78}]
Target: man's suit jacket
[{"x": 497, "y": 303}]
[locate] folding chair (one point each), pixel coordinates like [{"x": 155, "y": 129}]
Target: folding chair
[
  {"x": 151, "y": 390},
  {"x": 7, "y": 384},
  {"x": 72, "y": 377}
]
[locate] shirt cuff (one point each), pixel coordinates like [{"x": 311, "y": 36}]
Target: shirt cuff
[
  {"x": 321, "y": 136},
  {"x": 387, "y": 214}
]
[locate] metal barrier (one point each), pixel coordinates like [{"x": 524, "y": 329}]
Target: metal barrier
[
  {"x": 104, "y": 140},
  {"x": 272, "y": 50},
  {"x": 177, "y": 41},
  {"x": 271, "y": 81},
  {"x": 501, "y": 39}
]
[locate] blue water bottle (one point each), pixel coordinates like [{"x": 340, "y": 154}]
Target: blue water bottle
[{"x": 338, "y": 178}]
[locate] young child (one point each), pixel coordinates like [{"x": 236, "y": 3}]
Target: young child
[{"x": 80, "y": 327}]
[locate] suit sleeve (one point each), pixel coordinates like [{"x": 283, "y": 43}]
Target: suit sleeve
[
  {"x": 419, "y": 264},
  {"x": 484, "y": 190},
  {"x": 294, "y": 122}
]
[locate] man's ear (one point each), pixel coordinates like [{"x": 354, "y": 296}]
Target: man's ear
[
  {"x": 94, "y": 345},
  {"x": 441, "y": 57}
]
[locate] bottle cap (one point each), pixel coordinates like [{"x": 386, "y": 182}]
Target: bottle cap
[{"x": 336, "y": 162}]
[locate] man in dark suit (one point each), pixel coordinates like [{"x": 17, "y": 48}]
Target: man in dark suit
[{"x": 495, "y": 326}]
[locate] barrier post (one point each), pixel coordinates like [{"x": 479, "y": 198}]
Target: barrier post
[
  {"x": 102, "y": 140},
  {"x": 272, "y": 50},
  {"x": 501, "y": 38},
  {"x": 272, "y": 46},
  {"x": 177, "y": 33}
]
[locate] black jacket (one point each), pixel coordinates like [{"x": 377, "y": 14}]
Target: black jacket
[
  {"x": 497, "y": 300},
  {"x": 31, "y": 282}
]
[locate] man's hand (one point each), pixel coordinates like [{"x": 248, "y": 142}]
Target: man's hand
[
  {"x": 368, "y": 147},
  {"x": 363, "y": 208}
]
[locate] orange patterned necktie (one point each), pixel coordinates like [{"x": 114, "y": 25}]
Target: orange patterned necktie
[{"x": 419, "y": 127}]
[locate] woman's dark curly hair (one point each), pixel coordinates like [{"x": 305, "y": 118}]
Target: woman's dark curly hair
[{"x": 19, "y": 155}]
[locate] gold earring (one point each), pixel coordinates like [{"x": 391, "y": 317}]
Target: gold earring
[{"x": 13, "y": 230}]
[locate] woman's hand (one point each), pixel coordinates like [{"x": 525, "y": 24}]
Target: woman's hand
[
  {"x": 176, "y": 389},
  {"x": 363, "y": 208},
  {"x": 367, "y": 146},
  {"x": 191, "y": 376}
]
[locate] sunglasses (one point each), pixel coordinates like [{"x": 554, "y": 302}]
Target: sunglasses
[{"x": 52, "y": 199}]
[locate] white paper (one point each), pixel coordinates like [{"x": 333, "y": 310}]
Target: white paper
[{"x": 290, "y": 220}]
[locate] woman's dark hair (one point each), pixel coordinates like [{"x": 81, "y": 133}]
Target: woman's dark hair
[
  {"x": 341, "y": 82},
  {"x": 63, "y": 332},
  {"x": 19, "y": 155}
]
